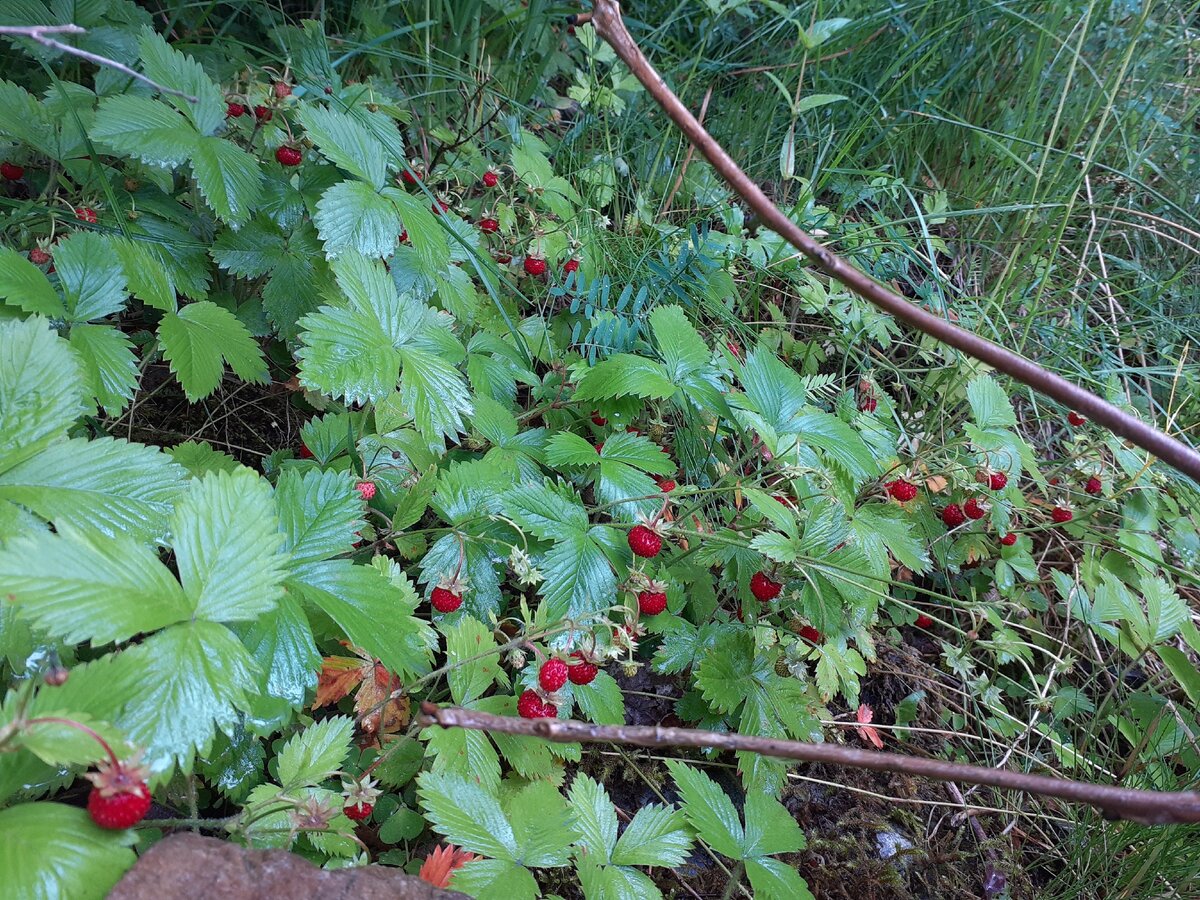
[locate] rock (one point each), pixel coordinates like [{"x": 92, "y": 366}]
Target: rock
[
  {"x": 890, "y": 843},
  {"x": 188, "y": 865}
]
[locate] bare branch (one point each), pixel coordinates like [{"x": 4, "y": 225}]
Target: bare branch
[
  {"x": 1147, "y": 807},
  {"x": 39, "y": 33},
  {"x": 606, "y": 19}
]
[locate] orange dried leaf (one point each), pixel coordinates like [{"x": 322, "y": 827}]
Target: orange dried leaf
[
  {"x": 380, "y": 712},
  {"x": 868, "y": 734},
  {"x": 441, "y": 862},
  {"x": 936, "y": 484},
  {"x": 338, "y": 677}
]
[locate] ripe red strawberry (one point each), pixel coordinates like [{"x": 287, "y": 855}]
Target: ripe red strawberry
[
  {"x": 1076, "y": 419},
  {"x": 535, "y": 266},
  {"x": 234, "y": 110},
  {"x": 923, "y": 621},
  {"x": 263, "y": 114},
  {"x": 504, "y": 258},
  {"x": 553, "y": 675},
  {"x": 629, "y": 429},
  {"x": 289, "y": 156},
  {"x": 282, "y": 89},
  {"x": 644, "y": 542},
  {"x": 1061, "y": 515},
  {"x": 735, "y": 348},
  {"x": 11, "y": 171},
  {"x": 651, "y": 603},
  {"x": 571, "y": 265},
  {"x": 976, "y": 508},
  {"x": 490, "y": 179},
  {"x": 810, "y": 634},
  {"x": 408, "y": 177},
  {"x": 305, "y": 453},
  {"x": 529, "y": 705},
  {"x": 867, "y": 403},
  {"x": 38, "y": 256},
  {"x": 584, "y": 671},
  {"x": 86, "y": 214},
  {"x": 359, "y": 812},
  {"x": 599, "y": 447},
  {"x": 763, "y": 587},
  {"x": 491, "y": 226},
  {"x": 444, "y": 600},
  {"x": 901, "y": 490},
  {"x": 952, "y": 515},
  {"x": 119, "y": 797},
  {"x": 1093, "y": 485},
  {"x": 997, "y": 481},
  {"x": 666, "y": 485},
  {"x": 403, "y": 239},
  {"x": 366, "y": 489},
  {"x": 598, "y": 420},
  {"x": 439, "y": 207},
  {"x": 1009, "y": 539}
]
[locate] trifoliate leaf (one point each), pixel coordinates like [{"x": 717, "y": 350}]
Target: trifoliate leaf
[
  {"x": 541, "y": 825},
  {"x": 579, "y": 579},
  {"x": 467, "y": 815},
  {"x": 594, "y": 816},
  {"x": 344, "y": 353},
  {"x": 199, "y": 458},
  {"x": 201, "y": 337},
  {"x": 227, "y": 546},
  {"x": 83, "y": 586},
  {"x": 547, "y": 511}
]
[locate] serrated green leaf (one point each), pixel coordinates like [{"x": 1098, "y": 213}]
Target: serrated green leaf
[
  {"x": 462, "y": 753},
  {"x": 602, "y": 700},
  {"x": 724, "y": 675},
  {"x": 197, "y": 342},
  {"x": 990, "y": 406},
  {"x": 683, "y": 350},
  {"x": 91, "y": 276},
  {"x": 229, "y": 178},
  {"x": 282, "y": 646},
  {"x": 373, "y": 611},
  {"x": 352, "y": 216},
  {"x": 708, "y": 810},
  {"x": 474, "y": 666},
  {"x": 345, "y": 142},
  {"x": 147, "y": 279},
  {"x": 50, "y": 851},
  {"x": 546, "y": 512},
  {"x": 320, "y": 513},
  {"x": 657, "y": 836},
  {"x": 145, "y": 130},
  {"x": 770, "y": 828},
  {"x": 625, "y": 375},
  {"x": 594, "y": 816},
  {"x": 837, "y": 440},
  {"x": 197, "y": 670},
  {"x": 579, "y": 579},
  {"x": 773, "y": 390},
  {"x": 467, "y": 815},
  {"x": 83, "y": 586},
  {"x": 316, "y": 753},
  {"x": 425, "y": 234},
  {"x": 200, "y": 458},
  {"x": 1166, "y": 612},
  {"x": 566, "y": 448},
  {"x": 227, "y": 546},
  {"x": 495, "y": 879},
  {"x": 345, "y": 353},
  {"x": 109, "y": 363},
  {"x": 436, "y": 392},
  {"x": 170, "y": 68},
  {"x": 110, "y": 485},
  {"x": 25, "y": 286},
  {"x": 890, "y": 528},
  {"x": 775, "y": 546},
  {"x": 775, "y": 880},
  {"x": 41, "y": 389},
  {"x": 542, "y": 825}
]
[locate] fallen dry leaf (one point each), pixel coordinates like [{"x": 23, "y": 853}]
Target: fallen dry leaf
[
  {"x": 441, "y": 862},
  {"x": 868, "y": 734}
]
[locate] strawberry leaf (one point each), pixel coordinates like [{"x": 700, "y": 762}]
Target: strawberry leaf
[
  {"x": 229, "y": 178},
  {"x": 319, "y": 512},
  {"x": 144, "y": 129},
  {"x": 88, "y": 860},
  {"x": 316, "y": 753},
  {"x": 708, "y": 810},
  {"x": 199, "y": 338},
  {"x": 25, "y": 286},
  {"x": 110, "y": 367},
  {"x": 91, "y": 275}
]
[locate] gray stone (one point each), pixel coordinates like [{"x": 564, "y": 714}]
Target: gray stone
[{"x": 193, "y": 867}]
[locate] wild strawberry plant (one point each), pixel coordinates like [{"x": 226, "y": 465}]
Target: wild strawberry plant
[{"x": 513, "y": 493}]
